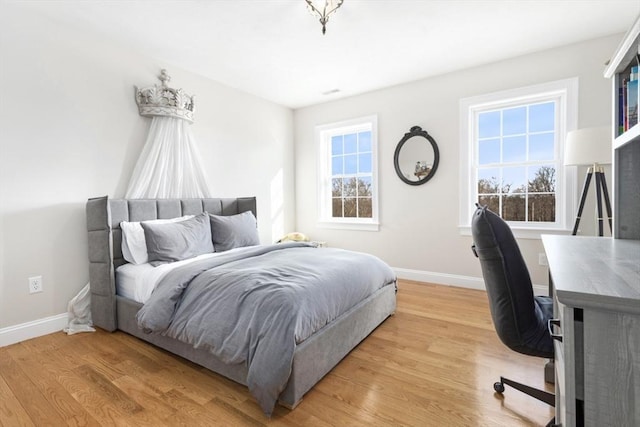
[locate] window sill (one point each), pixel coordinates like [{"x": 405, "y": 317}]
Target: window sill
[
  {"x": 358, "y": 226},
  {"x": 522, "y": 232}
]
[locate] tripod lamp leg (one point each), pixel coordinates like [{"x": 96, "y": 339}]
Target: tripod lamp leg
[
  {"x": 585, "y": 190},
  {"x": 607, "y": 201},
  {"x": 599, "y": 202}
]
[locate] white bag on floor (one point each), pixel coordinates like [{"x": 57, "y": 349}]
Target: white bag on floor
[{"x": 79, "y": 310}]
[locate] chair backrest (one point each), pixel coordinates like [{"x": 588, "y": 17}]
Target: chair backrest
[{"x": 518, "y": 320}]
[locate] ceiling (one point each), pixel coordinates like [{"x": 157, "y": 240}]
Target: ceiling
[{"x": 275, "y": 48}]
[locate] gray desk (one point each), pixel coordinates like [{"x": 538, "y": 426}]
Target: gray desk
[{"x": 596, "y": 287}]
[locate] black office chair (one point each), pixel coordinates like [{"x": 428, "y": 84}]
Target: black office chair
[{"x": 520, "y": 319}]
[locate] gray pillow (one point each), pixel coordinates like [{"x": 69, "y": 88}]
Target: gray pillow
[
  {"x": 234, "y": 231},
  {"x": 178, "y": 240}
]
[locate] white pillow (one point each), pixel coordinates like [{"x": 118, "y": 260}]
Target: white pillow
[{"x": 134, "y": 245}]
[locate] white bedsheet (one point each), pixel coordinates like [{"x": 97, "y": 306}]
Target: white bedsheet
[{"x": 137, "y": 282}]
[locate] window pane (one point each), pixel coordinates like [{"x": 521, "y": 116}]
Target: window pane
[
  {"x": 489, "y": 124},
  {"x": 350, "y": 164},
  {"x": 542, "y": 207},
  {"x": 364, "y": 163},
  {"x": 541, "y": 146},
  {"x": 350, "y": 143},
  {"x": 364, "y": 208},
  {"x": 364, "y": 186},
  {"x": 336, "y": 187},
  {"x": 336, "y": 207},
  {"x": 350, "y": 207},
  {"x": 542, "y": 117},
  {"x": 542, "y": 179},
  {"x": 364, "y": 141},
  {"x": 336, "y": 145},
  {"x": 514, "y": 180},
  {"x": 336, "y": 165},
  {"x": 492, "y": 202},
  {"x": 488, "y": 181},
  {"x": 513, "y": 208},
  {"x": 350, "y": 187},
  {"x": 514, "y": 149},
  {"x": 489, "y": 151},
  {"x": 514, "y": 121}
]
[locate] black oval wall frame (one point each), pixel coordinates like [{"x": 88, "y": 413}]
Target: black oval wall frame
[{"x": 422, "y": 172}]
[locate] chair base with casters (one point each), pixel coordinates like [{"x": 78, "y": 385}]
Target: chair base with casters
[{"x": 541, "y": 395}]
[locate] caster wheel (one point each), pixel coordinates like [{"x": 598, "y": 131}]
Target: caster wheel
[{"x": 498, "y": 387}]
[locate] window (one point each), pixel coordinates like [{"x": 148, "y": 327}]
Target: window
[
  {"x": 347, "y": 177},
  {"x": 516, "y": 170},
  {"x": 511, "y": 155}
]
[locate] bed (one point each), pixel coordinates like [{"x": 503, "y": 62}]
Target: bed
[{"x": 312, "y": 358}]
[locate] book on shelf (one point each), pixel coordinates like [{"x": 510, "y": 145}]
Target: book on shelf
[
  {"x": 632, "y": 98},
  {"x": 625, "y": 117},
  {"x": 621, "y": 110}
]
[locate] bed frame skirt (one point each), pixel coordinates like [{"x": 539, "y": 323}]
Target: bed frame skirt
[{"x": 313, "y": 358}]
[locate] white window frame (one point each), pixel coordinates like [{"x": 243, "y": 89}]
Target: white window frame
[
  {"x": 565, "y": 93},
  {"x": 323, "y": 134}
]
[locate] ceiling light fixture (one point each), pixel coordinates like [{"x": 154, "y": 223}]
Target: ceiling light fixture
[{"x": 322, "y": 9}]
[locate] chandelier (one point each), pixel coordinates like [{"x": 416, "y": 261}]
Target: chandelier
[{"x": 323, "y": 10}]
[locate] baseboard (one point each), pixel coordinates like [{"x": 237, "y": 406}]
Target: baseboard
[
  {"x": 35, "y": 328},
  {"x": 454, "y": 280},
  {"x": 440, "y": 278}
]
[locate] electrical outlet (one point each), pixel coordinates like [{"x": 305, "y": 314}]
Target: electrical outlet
[
  {"x": 542, "y": 259},
  {"x": 35, "y": 284}
]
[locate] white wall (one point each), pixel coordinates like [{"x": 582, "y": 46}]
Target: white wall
[
  {"x": 419, "y": 224},
  {"x": 70, "y": 130}
]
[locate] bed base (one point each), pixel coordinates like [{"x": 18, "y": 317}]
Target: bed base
[{"x": 313, "y": 358}]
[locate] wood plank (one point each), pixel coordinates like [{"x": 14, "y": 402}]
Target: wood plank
[
  {"x": 11, "y": 411},
  {"x": 148, "y": 397},
  {"x": 109, "y": 390},
  {"x": 190, "y": 411},
  {"x": 26, "y": 392},
  {"x": 43, "y": 375}
]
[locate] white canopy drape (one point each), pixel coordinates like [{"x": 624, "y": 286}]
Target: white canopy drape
[{"x": 169, "y": 165}]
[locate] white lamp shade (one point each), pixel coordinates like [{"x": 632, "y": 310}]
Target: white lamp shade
[{"x": 588, "y": 146}]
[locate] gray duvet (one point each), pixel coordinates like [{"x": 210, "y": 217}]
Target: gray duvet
[{"x": 253, "y": 305}]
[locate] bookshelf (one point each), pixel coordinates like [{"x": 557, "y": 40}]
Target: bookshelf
[{"x": 626, "y": 137}]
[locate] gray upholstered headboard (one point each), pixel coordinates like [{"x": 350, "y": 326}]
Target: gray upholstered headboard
[{"x": 105, "y": 239}]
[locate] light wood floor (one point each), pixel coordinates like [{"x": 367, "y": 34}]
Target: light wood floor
[{"x": 431, "y": 364}]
